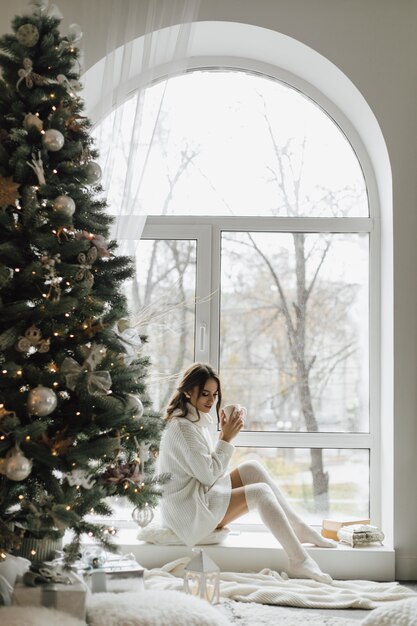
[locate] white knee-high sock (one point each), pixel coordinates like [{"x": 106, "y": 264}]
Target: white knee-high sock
[
  {"x": 261, "y": 497},
  {"x": 253, "y": 472}
]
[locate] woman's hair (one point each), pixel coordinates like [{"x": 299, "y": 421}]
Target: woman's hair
[{"x": 195, "y": 376}]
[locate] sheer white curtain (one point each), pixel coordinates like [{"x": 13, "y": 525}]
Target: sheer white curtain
[{"x": 147, "y": 39}]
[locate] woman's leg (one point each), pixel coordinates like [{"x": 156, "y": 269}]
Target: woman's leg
[
  {"x": 260, "y": 497},
  {"x": 237, "y": 506},
  {"x": 253, "y": 472}
]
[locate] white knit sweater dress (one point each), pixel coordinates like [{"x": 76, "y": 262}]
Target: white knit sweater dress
[{"x": 196, "y": 498}]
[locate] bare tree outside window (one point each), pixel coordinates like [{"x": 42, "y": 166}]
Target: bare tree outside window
[{"x": 294, "y": 310}]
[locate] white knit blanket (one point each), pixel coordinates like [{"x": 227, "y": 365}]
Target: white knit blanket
[{"x": 269, "y": 587}]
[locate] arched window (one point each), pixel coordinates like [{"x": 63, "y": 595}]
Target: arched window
[{"x": 256, "y": 257}]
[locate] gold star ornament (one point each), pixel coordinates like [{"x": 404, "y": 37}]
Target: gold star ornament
[{"x": 8, "y": 191}]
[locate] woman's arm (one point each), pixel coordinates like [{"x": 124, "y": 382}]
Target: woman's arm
[{"x": 195, "y": 456}]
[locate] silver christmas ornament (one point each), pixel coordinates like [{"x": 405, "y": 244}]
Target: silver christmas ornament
[
  {"x": 32, "y": 121},
  {"x": 17, "y": 466},
  {"x": 53, "y": 140},
  {"x": 142, "y": 517},
  {"x": 64, "y": 205},
  {"x": 135, "y": 404},
  {"x": 41, "y": 401},
  {"x": 93, "y": 172},
  {"x": 27, "y": 35}
]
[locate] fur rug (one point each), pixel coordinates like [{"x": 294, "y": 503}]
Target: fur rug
[
  {"x": 251, "y": 614},
  {"x": 152, "y": 608},
  {"x": 174, "y": 608}
]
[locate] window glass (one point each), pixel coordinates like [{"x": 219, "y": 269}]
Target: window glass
[
  {"x": 294, "y": 329},
  {"x": 232, "y": 142},
  {"x": 342, "y": 493},
  {"x": 161, "y": 301}
]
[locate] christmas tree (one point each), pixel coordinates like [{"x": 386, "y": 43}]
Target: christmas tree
[{"x": 75, "y": 421}]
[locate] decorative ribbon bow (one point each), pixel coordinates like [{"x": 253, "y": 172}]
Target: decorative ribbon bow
[
  {"x": 86, "y": 262},
  {"x": 40, "y": 573},
  {"x": 70, "y": 86},
  {"x": 97, "y": 240},
  {"x": 28, "y": 75},
  {"x": 97, "y": 382}
]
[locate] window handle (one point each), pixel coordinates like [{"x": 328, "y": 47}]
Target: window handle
[{"x": 202, "y": 336}]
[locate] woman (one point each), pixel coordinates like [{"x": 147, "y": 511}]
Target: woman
[{"x": 202, "y": 495}]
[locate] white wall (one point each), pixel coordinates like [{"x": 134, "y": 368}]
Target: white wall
[{"x": 373, "y": 42}]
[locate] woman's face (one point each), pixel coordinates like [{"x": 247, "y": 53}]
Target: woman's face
[{"x": 208, "y": 396}]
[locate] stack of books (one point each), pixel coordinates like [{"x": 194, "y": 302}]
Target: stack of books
[{"x": 331, "y": 526}]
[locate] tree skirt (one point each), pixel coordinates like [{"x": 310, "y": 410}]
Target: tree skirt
[
  {"x": 270, "y": 587},
  {"x": 250, "y": 613}
]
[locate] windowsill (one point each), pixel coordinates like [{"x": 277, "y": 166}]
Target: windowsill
[{"x": 253, "y": 551}]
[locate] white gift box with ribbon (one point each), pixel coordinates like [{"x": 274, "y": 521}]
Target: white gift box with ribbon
[{"x": 69, "y": 598}]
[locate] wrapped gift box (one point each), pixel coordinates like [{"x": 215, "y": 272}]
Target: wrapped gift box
[
  {"x": 115, "y": 576},
  {"x": 68, "y": 598}
]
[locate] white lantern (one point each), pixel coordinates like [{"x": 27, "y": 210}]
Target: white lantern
[{"x": 202, "y": 577}]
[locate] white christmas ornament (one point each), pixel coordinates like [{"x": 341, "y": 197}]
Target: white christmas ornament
[
  {"x": 93, "y": 172},
  {"x": 74, "y": 33},
  {"x": 41, "y": 5},
  {"x": 27, "y": 35},
  {"x": 64, "y": 205},
  {"x": 143, "y": 516},
  {"x": 41, "y": 401},
  {"x": 32, "y": 121},
  {"x": 144, "y": 453},
  {"x": 132, "y": 342},
  {"x": 17, "y": 466},
  {"x": 81, "y": 478},
  {"x": 53, "y": 140}
]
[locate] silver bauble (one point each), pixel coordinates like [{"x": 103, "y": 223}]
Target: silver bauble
[
  {"x": 135, "y": 404},
  {"x": 142, "y": 517},
  {"x": 17, "y": 466},
  {"x": 32, "y": 121},
  {"x": 93, "y": 172},
  {"x": 41, "y": 401},
  {"x": 64, "y": 205},
  {"x": 53, "y": 140},
  {"x": 74, "y": 33},
  {"x": 27, "y": 35}
]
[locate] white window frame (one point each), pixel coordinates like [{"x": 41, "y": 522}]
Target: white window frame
[{"x": 207, "y": 230}]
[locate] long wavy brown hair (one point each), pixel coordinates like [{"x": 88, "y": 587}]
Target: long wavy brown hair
[{"x": 195, "y": 376}]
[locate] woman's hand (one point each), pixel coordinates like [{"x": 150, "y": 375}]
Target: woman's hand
[{"x": 230, "y": 427}]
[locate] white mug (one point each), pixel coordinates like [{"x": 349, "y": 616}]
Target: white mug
[{"x": 229, "y": 408}]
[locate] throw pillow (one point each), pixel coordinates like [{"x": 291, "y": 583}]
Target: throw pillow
[
  {"x": 10, "y": 568},
  {"x": 152, "y": 608}
]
